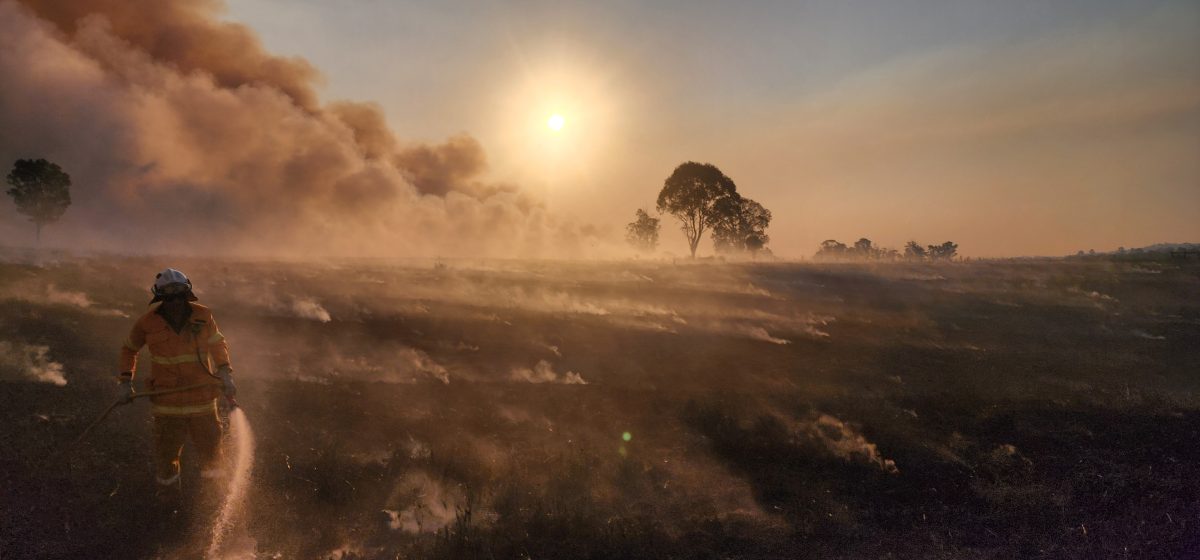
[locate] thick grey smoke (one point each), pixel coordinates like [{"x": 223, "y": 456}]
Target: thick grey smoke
[
  {"x": 181, "y": 133},
  {"x": 187, "y": 36}
]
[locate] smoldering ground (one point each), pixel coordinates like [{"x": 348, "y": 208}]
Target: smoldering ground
[{"x": 990, "y": 409}]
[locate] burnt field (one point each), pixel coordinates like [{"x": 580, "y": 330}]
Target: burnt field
[{"x": 1038, "y": 409}]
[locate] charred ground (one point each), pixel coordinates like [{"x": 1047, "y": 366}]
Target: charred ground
[{"x": 991, "y": 409}]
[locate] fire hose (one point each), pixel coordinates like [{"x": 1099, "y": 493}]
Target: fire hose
[{"x": 123, "y": 401}]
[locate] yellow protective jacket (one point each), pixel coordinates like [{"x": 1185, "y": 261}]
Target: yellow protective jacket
[{"x": 178, "y": 359}]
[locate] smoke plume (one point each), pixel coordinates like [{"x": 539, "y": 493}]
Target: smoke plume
[{"x": 181, "y": 133}]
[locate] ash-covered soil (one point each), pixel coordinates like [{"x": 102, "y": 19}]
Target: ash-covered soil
[{"x": 504, "y": 409}]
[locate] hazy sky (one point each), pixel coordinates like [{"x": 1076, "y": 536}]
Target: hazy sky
[
  {"x": 372, "y": 128},
  {"x": 1022, "y": 127}
]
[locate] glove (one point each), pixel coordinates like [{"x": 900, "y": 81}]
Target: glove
[
  {"x": 225, "y": 373},
  {"x": 125, "y": 392}
]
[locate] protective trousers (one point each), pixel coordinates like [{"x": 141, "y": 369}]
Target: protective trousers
[{"x": 171, "y": 432}]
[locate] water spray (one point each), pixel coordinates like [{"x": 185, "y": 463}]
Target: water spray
[{"x": 243, "y": 443}]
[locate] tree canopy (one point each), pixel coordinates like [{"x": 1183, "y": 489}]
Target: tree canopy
[
  {"x": 741, "y": 226},
  {"x": 41, "y": 191},
  {"x": 913, "y": 251},
  {"x": 642, "y": 232},
  {"x": 697, "y": 194},
  {"x": 832, "y": 249},
  {"x": 944, "y": 252}
]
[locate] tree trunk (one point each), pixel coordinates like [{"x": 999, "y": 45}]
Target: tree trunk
[{"x": 38, "y": 234}]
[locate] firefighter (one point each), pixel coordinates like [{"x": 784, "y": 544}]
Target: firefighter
[{"x": 186, "y": 348}]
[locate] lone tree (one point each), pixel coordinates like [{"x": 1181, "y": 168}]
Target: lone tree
[
  {"x": 42, "y": 191},
  {"x": 642, "y": 232},
  {"x": 695, "y": 194},
  {"x": 741, "y": 226}
]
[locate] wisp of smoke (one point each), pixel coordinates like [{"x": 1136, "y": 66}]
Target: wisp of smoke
[
  {"x": 846, "y": 442},
  {"x": 405, "y": 365},
  {"x": 66, "y": 297},
  {"x": 1143, "y": 334},
  {"x": 49, "y": 294},
  {"x": 421, "y": 362},
  {"x": 759, "y": 333},
  {"x": 310, "y": 309},
  {"x": 543, "y": 372},
  {"x": 27, "y": 362},
  {"x": 423, "y": 505},
  {"x": 838, "y": 438},
  {"x": 552, "y": 348}
]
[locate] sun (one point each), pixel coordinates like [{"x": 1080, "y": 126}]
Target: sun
[{"x": 556, "y": 122}]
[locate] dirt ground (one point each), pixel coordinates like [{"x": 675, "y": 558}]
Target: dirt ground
[{"x": 502, "y": 409}]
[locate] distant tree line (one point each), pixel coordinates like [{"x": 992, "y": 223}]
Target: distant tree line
[
  {"x": 704, "y": 199},
  {"x": 1157, "y": 252},
  {"x": 865, "y": 250}
]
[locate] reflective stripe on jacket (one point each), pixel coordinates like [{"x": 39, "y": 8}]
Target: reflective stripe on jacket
[
  {"x": 209, "y": 407},
  {"x": 179, "y": 358}
]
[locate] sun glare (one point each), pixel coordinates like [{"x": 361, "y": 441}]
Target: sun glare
[{"x": 555, "y": 122}]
